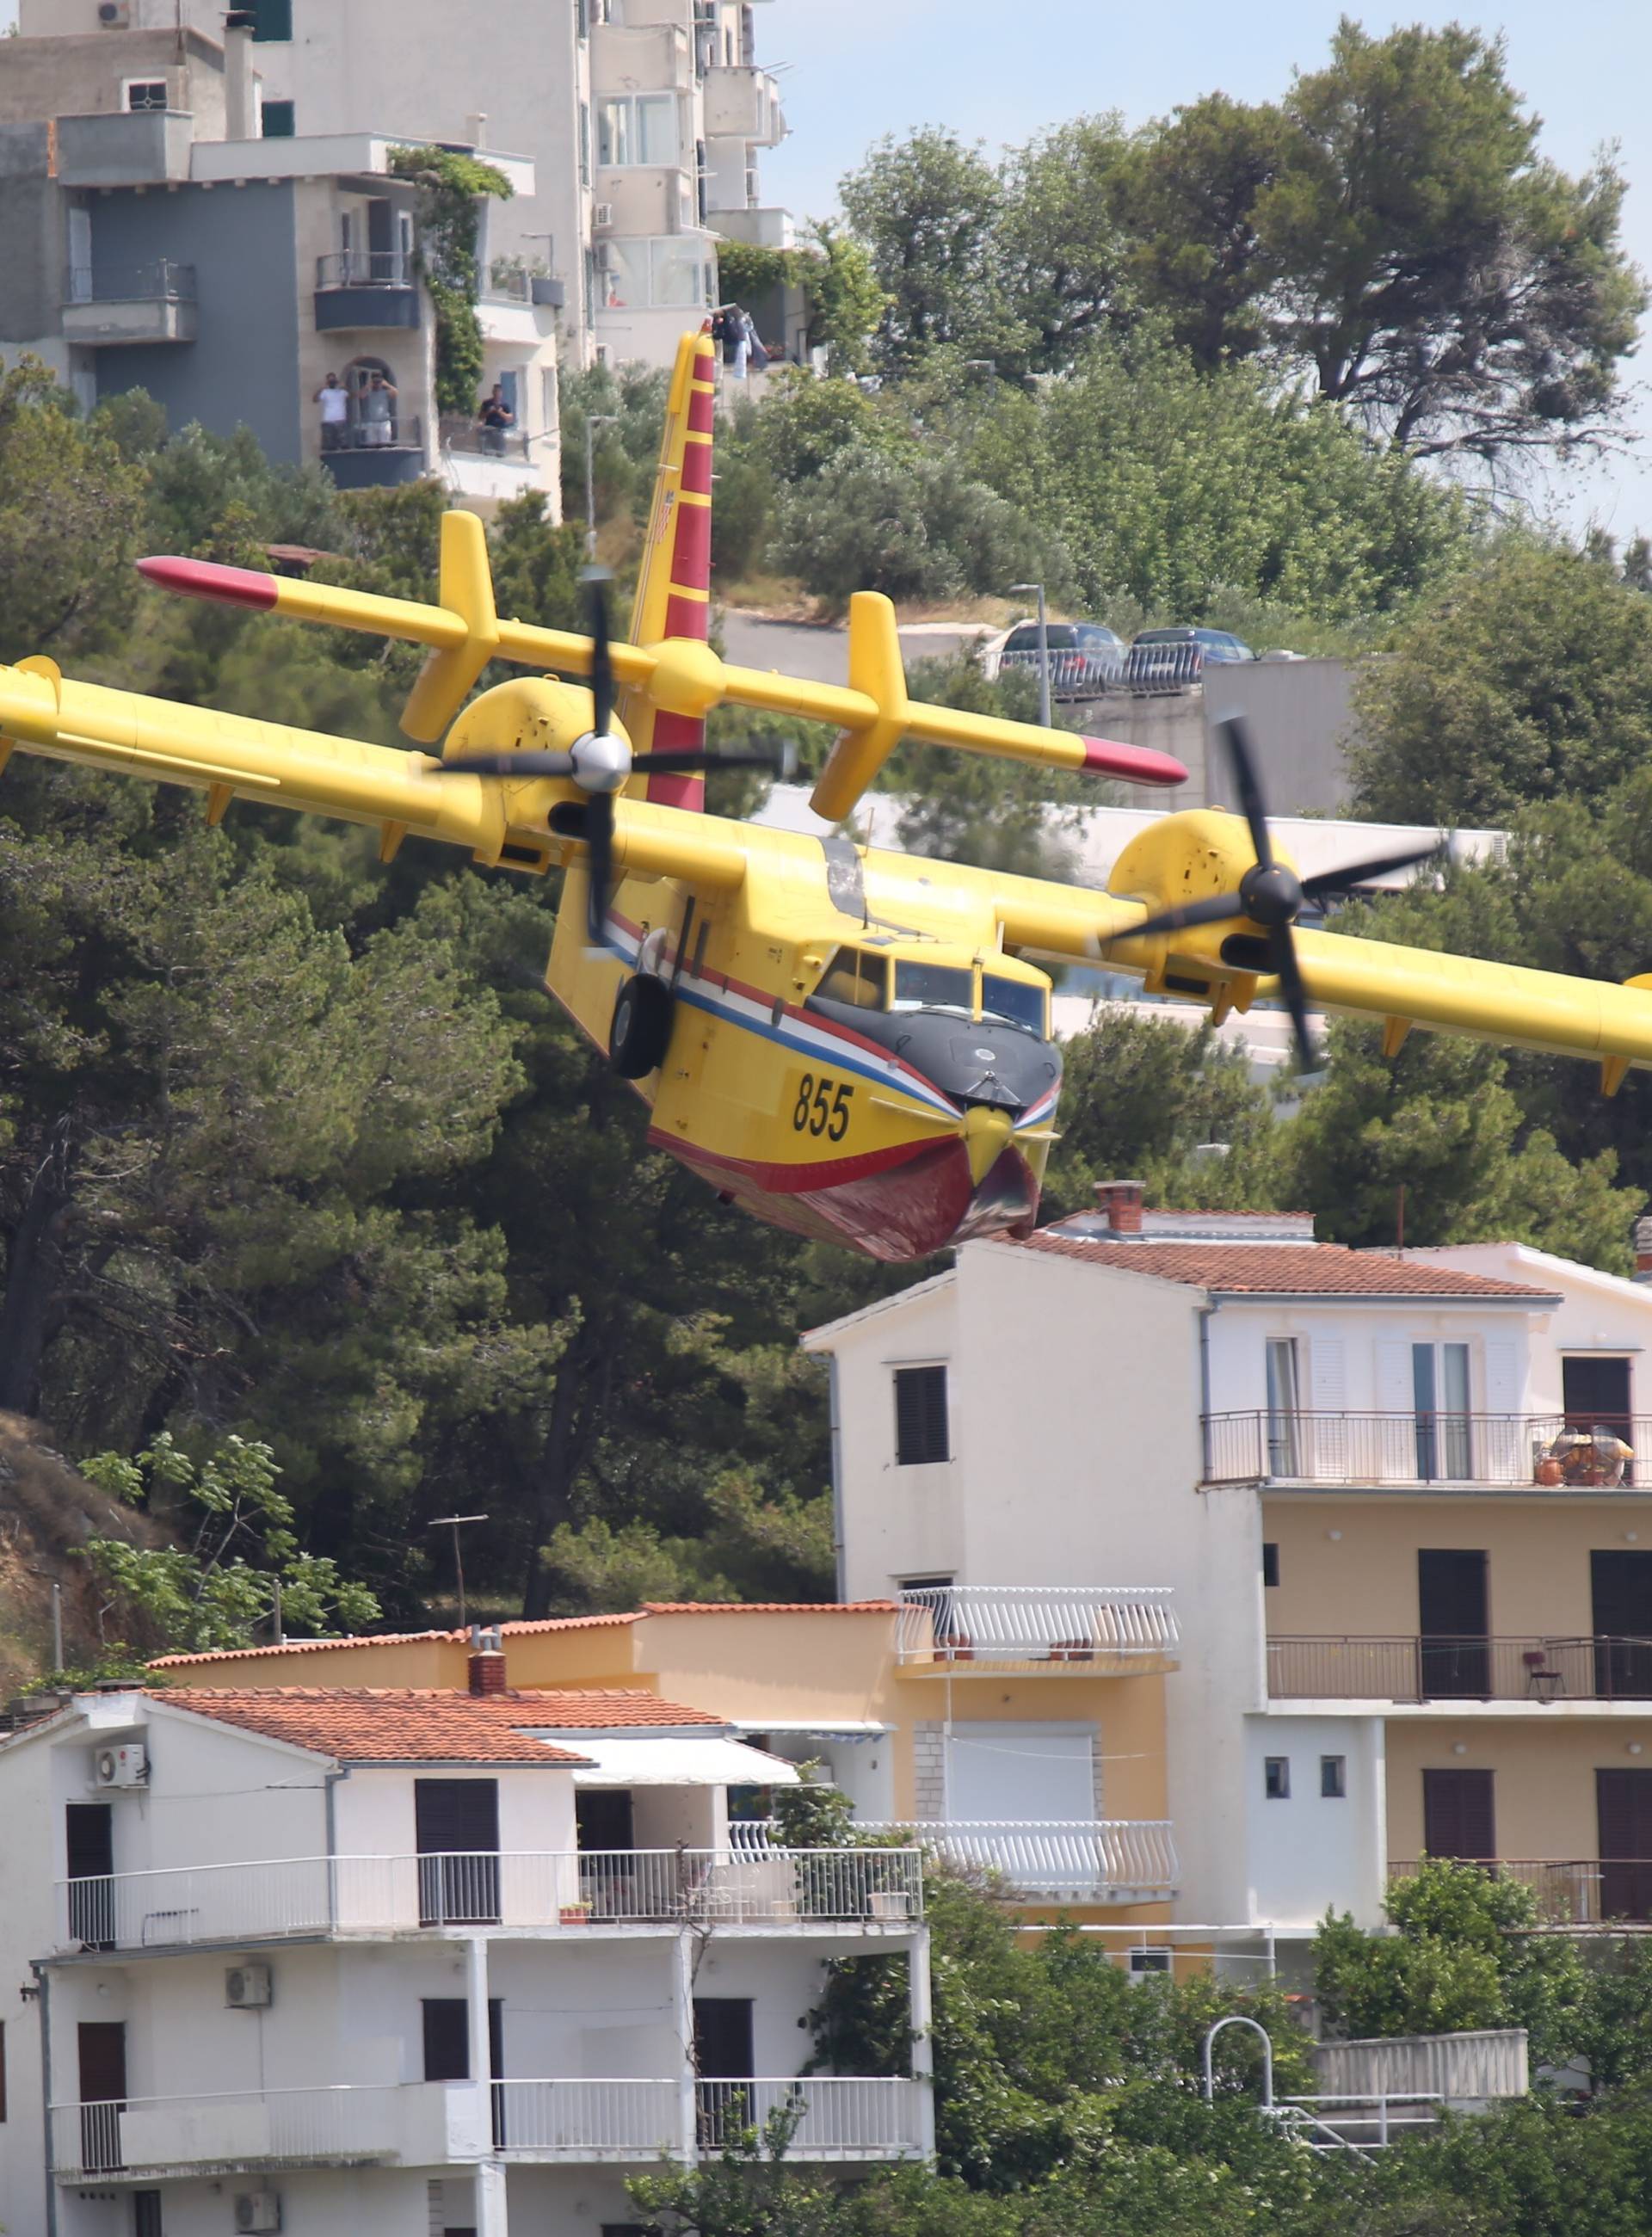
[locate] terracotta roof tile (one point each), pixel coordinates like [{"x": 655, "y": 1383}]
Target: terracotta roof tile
[
  {"x": 407, "y": 1724},
  {"x": 302, "y": 1647},
  {"x": 1281, "y": 1269}
]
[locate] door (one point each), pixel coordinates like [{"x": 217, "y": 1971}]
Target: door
[
  {"x": 456, "y": 1831},
  {"x": 1621, "y": 1595},
  {"x": 80, "y": 256},
  {"x": 1623, "y": 1813},
  {"x": 605, "y": 1834},
  {"x": 1458, "y": 1818},
  {"x": 102, "y": 2092},
  {"x": 448, "y": 2048},
  {"x": 1440, "y": 1401},
  {"x": 724, "y": 2058},
  {"x": 146, "y": 2214},
  {"x": 1285, "y": 1406},
  {"x": 1454, "y": 1650},
  {"x": 89, "y": 1829},
  {"x": 384, "y": 265},
  {"x": 1596, "y": 1395}
]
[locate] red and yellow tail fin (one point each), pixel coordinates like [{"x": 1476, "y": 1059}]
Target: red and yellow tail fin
[{"x": 674, "y": 582}]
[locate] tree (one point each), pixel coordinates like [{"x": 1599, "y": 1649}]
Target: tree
[
  {"x": 846, "y": 300},
  {"x": 1061, "y": 257},
  {"x": 1482, "y": 707},
  {"x": 69, "y": 519},
  {"x": 1449, "y": 287},
  {"x": 241, "y": 1550},
  {"x": 926, "y": 208}
]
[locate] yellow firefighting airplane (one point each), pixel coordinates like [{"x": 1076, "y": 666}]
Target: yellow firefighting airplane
[{"x": 851, "y": 1043}]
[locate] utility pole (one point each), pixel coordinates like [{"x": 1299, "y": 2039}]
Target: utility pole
[
  {"x": 1020, "y": 588},
  {"x": 455, "y": 1522},
  {"x": 593, "y": 420}
]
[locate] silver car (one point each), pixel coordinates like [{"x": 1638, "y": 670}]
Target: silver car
[{"x": 1084, "y": 658}]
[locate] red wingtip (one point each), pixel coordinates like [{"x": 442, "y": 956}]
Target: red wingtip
[
  {"x": 205, "y": 578},
  {"x": 1135, "y": 764}
]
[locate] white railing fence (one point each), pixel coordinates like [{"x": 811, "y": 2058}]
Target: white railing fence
[
  {"x": 588, "y": 2119},
  {"x": 1083, "y": 1860},
  {"x": 351, "y": 2124},
  {"x": 817, "y": 2116},
  {"x": 370, "y": 1895},
  {"x": 1060, "y": 1624}
]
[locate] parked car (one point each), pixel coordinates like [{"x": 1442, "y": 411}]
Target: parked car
[
  {"x": 1176, "y": 659},
  {"x": 1084, "y": 658}
]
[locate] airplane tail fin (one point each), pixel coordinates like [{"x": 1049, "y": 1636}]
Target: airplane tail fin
[{"x": 674, "y": 582}]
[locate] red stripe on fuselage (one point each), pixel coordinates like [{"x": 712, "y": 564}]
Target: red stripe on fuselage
[
  {"x": 691, "y": 553},
  {"x": 701, "y": 410},
  {"x": 686, "y": 617},
  {"x": 676, "y": 791},
  {"x": 696, "y": 469}
]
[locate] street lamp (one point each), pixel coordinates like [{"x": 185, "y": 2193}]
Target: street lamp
[
  {"x": 593, "y": 420},
  {"x": 1017, "y": 588}
]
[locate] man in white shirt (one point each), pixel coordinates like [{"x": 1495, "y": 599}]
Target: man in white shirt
[{"x": 334, "y": 401}]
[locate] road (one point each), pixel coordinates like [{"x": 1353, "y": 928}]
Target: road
[{"x": 819, "y": 651}]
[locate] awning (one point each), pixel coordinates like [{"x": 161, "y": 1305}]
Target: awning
[
  {"x": 653, "y": 1761},
  {"x": 816, "y": 1728}
]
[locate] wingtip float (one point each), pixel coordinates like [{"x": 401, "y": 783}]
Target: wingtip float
[{"x": 851, "y": 1043}]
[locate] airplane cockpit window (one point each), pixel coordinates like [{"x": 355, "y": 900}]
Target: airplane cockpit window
[
  {"x": 1013, "y": 999},
  {"x": 855, "y": 977},
  {"x": 933, "y": 986}
]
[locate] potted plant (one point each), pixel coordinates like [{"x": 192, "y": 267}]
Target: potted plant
[{"x": 575, "y": 1914}]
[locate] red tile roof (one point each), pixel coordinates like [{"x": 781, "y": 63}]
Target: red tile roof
[
  {"x": 1282, "y": 1269},
  {"x": 407, "y": 1724},
  {"x": 768, "y": 1607}
]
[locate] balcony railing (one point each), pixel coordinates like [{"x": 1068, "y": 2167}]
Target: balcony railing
[
  {"x": 401, "y": 431},
  {"x": 162, "y": 281},
  {"x": 370, "y": 1896},
  {"x": 1075, "y": 1860},
  {"x": 366, "y": 267},
  {"x": 589, "y": 2120},
  {"x": 826, "y": 2116},
  {"x": 1578, "y": 1891},
  {"x": 1439, "y": 1451},
  {"x": 1064, "y": 1628},
  {"x": 417, "y": 2124},
  {"x": 1438, "y": 1667}
]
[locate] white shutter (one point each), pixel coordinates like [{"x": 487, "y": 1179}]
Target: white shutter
[
  {"x": 1395, "y": 1443},
  {"x": 1501, "y": 1449},
  {"x": 1327, "y": 1455},
  {"x": 1020, "y": 1771}
]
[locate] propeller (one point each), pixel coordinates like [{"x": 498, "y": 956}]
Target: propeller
[
  {"x": 1270, "y": 894},
  {"x": 600, "y": 762}
]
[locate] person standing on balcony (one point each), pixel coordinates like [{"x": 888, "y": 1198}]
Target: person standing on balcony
[
  {"x": 736, "y": 341},
  {"x": 378, "y": 410},
  {"x": 495, "y": 417},
  {"x": 334, "y": 401}
]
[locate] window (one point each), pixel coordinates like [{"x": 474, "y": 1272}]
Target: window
[
  {"x": 1037, "y": 1774},
  {"x": 585, "y": 143},
  {"x": 1013, "y": 999},
  {"x": 1276, "y": 1778},
  {"x": 1333, "y": 1777},
  {"x": 933, "y": 986},
  {"x": 672, "y": 273},
  {"x": 638, "y": 127},
  {"x": 146, "y": 93},
  {"x": 1270, "y": 1562},
  {"x": 272, "y": 19},
  {"x": 1140, "y": 1963},
  {"x": 582, "y": 19},
  {"x": 278, "y": 120},
  {"x": 1440, "y": 1396},
  {"x": 1284, "y": 1406},
  {"x": 857, "y": 978},
  {"x": 921, "y": 1416}
]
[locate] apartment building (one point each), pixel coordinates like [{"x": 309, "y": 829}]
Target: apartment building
[
  {"x": 168, "y": 228},
  {"x": 1391, "y": 1493},
  {"x": 644, "y": 121},
  {"x": 312, "y": 1959},
  {"x": 1022, "y": 1729}
]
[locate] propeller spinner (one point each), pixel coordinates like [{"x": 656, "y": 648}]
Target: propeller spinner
[
  {"x": 601, "y": 761},
  {"x": 1271, "y": 894}
]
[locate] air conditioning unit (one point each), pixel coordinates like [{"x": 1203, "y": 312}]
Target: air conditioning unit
[
  {"x": 113, "y": 15},
  {"x": 602, "y": 213},
  {"x": 258, "y": 2209},
  {"x": 120, "y": 1766},
  {"x": 248, "y": 1988}
]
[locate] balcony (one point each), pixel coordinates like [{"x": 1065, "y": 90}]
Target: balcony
[
  {"x": 1575, "y": 1892},
  {"x": 110, "y": 307},
  {"x": 828, "y": 2117},
  {"x": 1435, "y": 1667},
  {"x": 135, "y": 147},
  {"x": 142, "y": 2139},
  {"x": 1097, "y": 1861},
  {"x": 495, "y": 462},
  {"x": 742, "y": 103},
  {"x": 1437, "y": 1453},
  {"x": 590, "y": 1891},
  {"x": 361, "y": 289},
  {"x": 375, "y": 454},
  {"x": 1068, "y": 1631}
]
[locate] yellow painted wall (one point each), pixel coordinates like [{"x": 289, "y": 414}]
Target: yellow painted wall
[
  {"x": 1363, "y": 1583},
  {"x": 386, "y": 1662},
  {"x": 1543, "y": 1792}
]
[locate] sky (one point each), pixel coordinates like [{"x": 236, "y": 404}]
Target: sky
[{"x": 855, "y": 70}]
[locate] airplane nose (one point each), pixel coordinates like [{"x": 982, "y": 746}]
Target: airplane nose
[{"x": 987, "y": 1131}]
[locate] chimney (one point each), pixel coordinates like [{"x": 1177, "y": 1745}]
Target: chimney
[
  {"x": 1644, "y": 1250},
  {"x": 486, "y": 1669},
  {"x": 240, "y": 120},
  {"x": 1119, "y": 1205}
]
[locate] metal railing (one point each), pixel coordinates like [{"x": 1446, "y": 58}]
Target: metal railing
[
  {"x": 472, "y": 440},
  {"x": 1150, "y": 669},
  {"x": 401, "y": 431},
  {"x": 310, "y": 1895},
  {"x": 1575, "y": 1891},
  {"x": 1436, "y": 1666},
  {"x": 826, "y": 2116},
  {"x": 1355, "y": 2125},
  {"x": 1544, "y": 1450},
  {"x": 162, "y": 281},
  {"x": 1061, "y": 1624},
  {"x": 1071, "y": 1859},
  {"x": 587, "y": 2120},
  {"x": 366, "y": 267},
  {"x": 350, "y": 2124}
]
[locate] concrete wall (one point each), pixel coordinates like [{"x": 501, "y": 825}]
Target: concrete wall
[
  {"x": 242, "y": 242},
  {"x": 1543, "y": 1784},
  {"x": 43, "y": 75},
  {"x": 1311, "y": 1850},
  {"x": 1300, "y": 714},
  {"x": 34, "y": 247},
  {"x": 1356, "y": 1358},
  {"x": 1598, "y": 1313}
]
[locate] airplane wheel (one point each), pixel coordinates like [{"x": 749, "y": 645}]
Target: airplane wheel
[{"x": 641, "y": 1027}]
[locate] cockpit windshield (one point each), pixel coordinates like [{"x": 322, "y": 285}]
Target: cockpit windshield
[
  {"x": 857, "y": 977},
  {"x": 935, "y": 987},
  {"x": 1013, "y": 999},
  {"x": 862, "y": 979}
]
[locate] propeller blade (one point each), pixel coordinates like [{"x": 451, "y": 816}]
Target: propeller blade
[
  {"x": 1215, "y": 908},
  {"x": 1359, "y": 873},
  {"x": 596, "y": 580},
  {"x": 600, "y": 864},
  {"x": 1282, "y": 953},
  {"x": 673, "y": 761},
  {"x": 545, "y": 764},
  {"x": 1236, "y": 737}
]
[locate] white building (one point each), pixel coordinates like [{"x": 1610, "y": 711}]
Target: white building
[
  {"x": 278, "y": 1938},
  {"x": 1412, "y": 1588}
]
